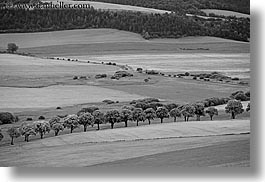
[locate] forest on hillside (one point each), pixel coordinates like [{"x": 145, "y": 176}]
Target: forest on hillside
[
  {"x": 148, "y": 25},
  {"x": 187, "y": 6}
]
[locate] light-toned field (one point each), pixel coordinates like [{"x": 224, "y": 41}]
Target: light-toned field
[
  {"x": 68, "y": 37},
  {"x": 234, "y": 65},
  {"x": 24, "y": 71},
  {"x": 72, "y": 149},
  {"x": 29, "y": 82},
  {"x": 59, "y": 95},
  {"x": 113, "y": 7},
  {"x": 225, "y": 13}
]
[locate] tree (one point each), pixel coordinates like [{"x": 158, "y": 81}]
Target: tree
[
  {"x": 86, "y": 119},
  {"x": 234, "y": 107},
  {"x": 248, "y": 107},
  {"x": 188, "y": 111},
  {"x": 87, "y": 109},
  {"x": 56, "y": 125},
  {"x": 1, "y": 135},
  {"x": 211, "y": 111},
  {"x": 199, "y": 110},
  {"x": 150, "y": 114},
  {"x": 71, "y": 122},
  {"x": 98, "y": 117},
  {"x": 125, "y": 115},
  {"x": 13, "y": 132},
  {"x": 112, "y": 117},
  {"x": 27, "y": 129},
  {"x": 174, "y": 113},
  {"x": 162, "y": 113},
  {"x": 42, "y": 127},
  {"x": 12, "y": 47},
  {"x": 138, "y": 115}
]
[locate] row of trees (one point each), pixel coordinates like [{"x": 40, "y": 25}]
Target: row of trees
[
  {"x": 148, "y": 25},
  {"x": 92, "y": 115}
]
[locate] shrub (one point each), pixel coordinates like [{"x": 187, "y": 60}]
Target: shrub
[
  {"x": 98, "y": 76},
  {"x": 58, "y": 108},
  {"x": 140, "y": 70},
  {"x": 7, "y": 118},
  {"x": 241, "y": 96},
  {"x": 235, "y": 79},
  {"x": 151, "y": 72},
  {"x": 41, "y": 117},
  {"x": 187, "y": 74},
  {"x": 108, "y": 101},
  {"x": 12, "y": 47},
  {"x": 120, "y": 74},
  {"x": 29, "y": 119},
  {"x": 171, "y": 106},
  {"x": 87, "y": 109},
  {"x": 75, "y": 77}
]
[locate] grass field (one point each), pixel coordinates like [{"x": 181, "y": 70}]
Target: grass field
[
  {"x": 111, "y": 41},
  {"x": 140, "y": 141},
  {"x": 235, "y": 65},
  {"x": 225, "y": 13},
  {"x": 113, "y": 7},
  {"x": 68, "y": 37}
]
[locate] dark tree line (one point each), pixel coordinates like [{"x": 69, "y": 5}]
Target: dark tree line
[
  {"x": 153, "y": 25},
  {"x": 188, "y": 6}
]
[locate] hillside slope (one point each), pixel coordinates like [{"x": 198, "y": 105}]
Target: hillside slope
[{"x": 151, "y": 132}]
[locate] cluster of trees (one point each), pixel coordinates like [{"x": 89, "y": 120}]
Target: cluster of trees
[
  {"x": 187, "y": 6},
  {"x": 148, "y": 25},
  {"x": 92, "y": 115}
]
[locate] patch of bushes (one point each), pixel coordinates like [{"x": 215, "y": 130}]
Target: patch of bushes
[
  {"x": 7, "y": 118},
  {"x": 151, "y": 72},
  {"x": 98, "y": 76},
  {"x": 121, "y": 74},
  {"x": 87, "y": 110},
  {"x": 235, "y": 79},
  {"x": 41, "y": 117},
  {"x": 140, "y": 70},
  {"x": 107, "y": 101}
]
